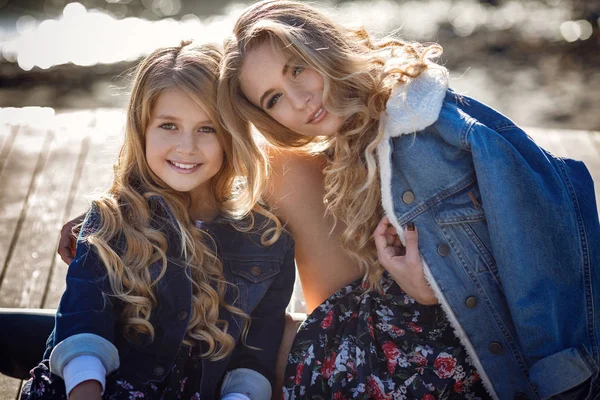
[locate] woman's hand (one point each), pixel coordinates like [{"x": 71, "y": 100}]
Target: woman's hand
[
  {"x": 403, "y": 264},
  {"x": 68, "y": 239}
]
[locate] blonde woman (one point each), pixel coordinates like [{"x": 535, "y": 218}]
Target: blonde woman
[
  {"x": 509, "y": 239},
  {"x": 179, "y": 283}
]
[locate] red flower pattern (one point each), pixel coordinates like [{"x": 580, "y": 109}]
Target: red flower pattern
[
  {"x": 392, "y": 352},
  {"x": 299, "y": 371},
  {"x": 328, "y": 366},
  {"x": 326, "y": 323},
  {"x": 444, "y": 365},
  {"x": 459, "y": 387}
]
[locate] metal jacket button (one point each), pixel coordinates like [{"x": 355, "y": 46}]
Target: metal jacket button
[
  {"x": 158, "y": 370},
  {"x": 471, "y": 302},
  {"x": 408, "y": 197},
  {"x": 182, "y": 315},
  {"x": 495, "y": 348},
  {"x": 255, "y": 270},
  {"x": 443, "y": 250}
]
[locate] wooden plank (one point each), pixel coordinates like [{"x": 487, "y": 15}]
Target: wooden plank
[
  {"x": 7, "y": 138},
  {"x": 9, "y": 387},
  {"x": 95, "y": 176},
  {"x": 28, "y": 269},
  {"x": 22, "y": 163},
  {"x": 55, "y": 284}
]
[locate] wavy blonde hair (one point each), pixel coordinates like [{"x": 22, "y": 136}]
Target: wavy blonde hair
[
  {"x": 125, "y": 211},
  {"x": 359, "y": 73}
]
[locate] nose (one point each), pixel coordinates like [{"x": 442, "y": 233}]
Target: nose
[
  {"x": 299, "y": 97},
  {"x": 186, "y": 145}
]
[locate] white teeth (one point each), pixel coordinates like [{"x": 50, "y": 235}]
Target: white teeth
[
  {"x": 183, "y": 166},
  {"x": 318, "y": 113}
]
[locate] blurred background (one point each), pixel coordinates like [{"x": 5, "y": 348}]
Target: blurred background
[{"x": 535, "y": 60}]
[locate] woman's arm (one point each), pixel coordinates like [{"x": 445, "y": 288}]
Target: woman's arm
[{"x": 295, "y": 195}]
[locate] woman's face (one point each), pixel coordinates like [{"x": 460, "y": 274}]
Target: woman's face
[{"x": 289, "y": 92}]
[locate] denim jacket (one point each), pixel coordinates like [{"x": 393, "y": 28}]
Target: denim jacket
[
  {"x": 87, "y": 321},
  {"x": 508, "y": 234}
]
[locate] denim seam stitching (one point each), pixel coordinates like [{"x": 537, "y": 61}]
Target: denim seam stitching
[
  {"x": 585, "y": 261},
  {"x": 496, "y": 318}
]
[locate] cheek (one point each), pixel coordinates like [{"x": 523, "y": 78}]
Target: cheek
[{"x": 153, "y": 155}]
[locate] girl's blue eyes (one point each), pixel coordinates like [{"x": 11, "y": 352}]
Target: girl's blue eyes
[
  {"x": 168, "y": 126},
  {"x": 273, "y": 100},
  {"x": 171, "y": 127}
]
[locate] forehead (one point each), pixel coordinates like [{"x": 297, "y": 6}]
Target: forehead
[
  {"x": 176, "y": 102},
  {"x": 261, "y": 70}
]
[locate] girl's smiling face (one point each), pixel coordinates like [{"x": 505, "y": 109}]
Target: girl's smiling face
[
  {"x": 289, "y": 92},
  {"x": 182, "y": 147}
]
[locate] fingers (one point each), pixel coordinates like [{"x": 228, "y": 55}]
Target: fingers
[
  {"x": 380, "y": 235},
  {"x": 411, "y": 238},
  {"x": 66, "y": 244}
]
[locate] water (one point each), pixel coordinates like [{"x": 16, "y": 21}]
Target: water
[{"x": 536, "y": 61}]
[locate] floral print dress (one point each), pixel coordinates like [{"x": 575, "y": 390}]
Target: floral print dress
[
  {"x": 379, "y": 345},
  {"x": 183, "y": 382}
]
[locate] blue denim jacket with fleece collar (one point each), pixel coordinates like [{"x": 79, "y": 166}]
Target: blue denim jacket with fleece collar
[
  {"x": 87, "y": 321},
  {"x": 508, "y": 234}
]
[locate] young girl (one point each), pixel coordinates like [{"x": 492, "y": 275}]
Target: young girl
[
  {"x": 173, "y": 292},
  {"x": 510, "y": 240}
]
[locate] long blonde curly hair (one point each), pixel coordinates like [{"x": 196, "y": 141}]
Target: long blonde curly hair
[
  {"x": 125, "y": 209},
  {"x": 359, "y": 73}
]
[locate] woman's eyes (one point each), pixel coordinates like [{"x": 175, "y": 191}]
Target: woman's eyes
[
  {"x": 296, "y": 71},
  {"x": 273, "y": 100}
]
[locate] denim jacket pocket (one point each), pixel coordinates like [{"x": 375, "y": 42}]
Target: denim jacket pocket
[
  {"x": 252, "y": 277},
  {"x": 252, "y": 270},
  {"x": 463, "y": 206}
]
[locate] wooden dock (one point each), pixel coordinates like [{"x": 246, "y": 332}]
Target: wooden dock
[{"x": 52, "y": 163}]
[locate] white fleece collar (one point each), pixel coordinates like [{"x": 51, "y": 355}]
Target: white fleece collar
[{"x": 416, "y": 105}]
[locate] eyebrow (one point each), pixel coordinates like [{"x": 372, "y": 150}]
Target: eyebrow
[
  {"x": 170, "y": 117},
  {"x": 268, "y": 92}
]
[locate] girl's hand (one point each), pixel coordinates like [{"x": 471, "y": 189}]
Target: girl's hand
[{"x": 403, "y": 264}]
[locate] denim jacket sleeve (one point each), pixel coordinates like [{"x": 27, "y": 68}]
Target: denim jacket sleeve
[
  {"x": 543, "y": 225},
  {"x": 264, "y": 335},
  {"x": 86, "y": 317}
]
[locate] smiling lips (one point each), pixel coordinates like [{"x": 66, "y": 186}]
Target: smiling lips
[
  {"x": 183, "y": 167},
  {"x": 317, "y": 115}
]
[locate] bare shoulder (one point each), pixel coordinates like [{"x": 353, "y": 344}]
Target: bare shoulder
[
  {"x": 295, "y": 183},
  {"x": 295, "y": 195}
]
